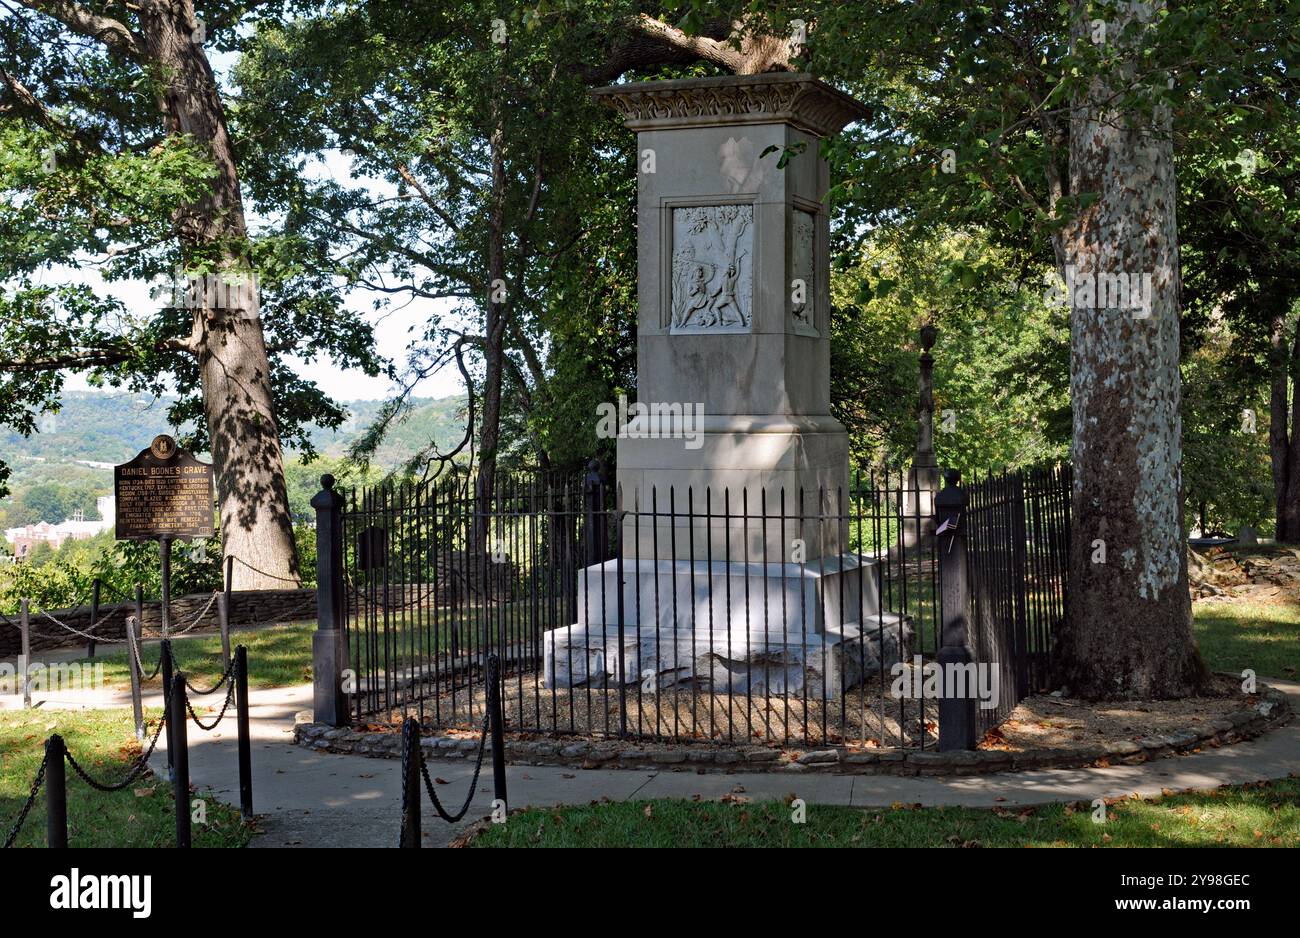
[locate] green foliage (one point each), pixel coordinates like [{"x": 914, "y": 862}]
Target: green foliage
[
  {"x": 89, "y": 173},
  {"x": 52, "y": 502},
  {"x": 1226, "y": 465},
  {"x": 1001, "y": 369}
]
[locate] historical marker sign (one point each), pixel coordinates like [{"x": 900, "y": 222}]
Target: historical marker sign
[{"x": 163, "y": 493}]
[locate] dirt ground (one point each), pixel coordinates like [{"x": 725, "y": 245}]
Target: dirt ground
[
  {"x": 861, "y": 720},
  {"x": 1046, "y": 722}
]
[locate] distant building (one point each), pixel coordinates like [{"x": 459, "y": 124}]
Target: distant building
[{"x": 27, "y": 537}]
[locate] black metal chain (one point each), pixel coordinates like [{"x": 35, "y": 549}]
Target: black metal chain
[
  {"x": 272, "y": 576},
  {"x": 493, "y": 679},
  {"x": 135, "y": 772},
  {"x": 156, "y": 669},
  {"x": 230, "y": 668},
  {"x": 31, "y": 799},
  {"x": 230, "y": 695}
]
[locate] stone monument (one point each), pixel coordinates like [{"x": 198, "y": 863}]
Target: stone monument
[{"x": 733, "y": 329}]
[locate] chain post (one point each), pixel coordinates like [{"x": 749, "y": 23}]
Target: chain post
[
  {"x": 25, "y": 653},
  {"x": 498, "y": 730},
  {"x": 94, "y": 616},
  {"x": 245, "y": 747},
  {"x": 410, "y": 783},
  {"x": 180, "y": 758},
  {"x": 56, "y": 793},
  {"x": 165, "y": 649},
  {"x": 133, "y": 650}
]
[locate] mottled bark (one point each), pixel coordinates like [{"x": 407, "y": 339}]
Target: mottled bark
[
  {"x": 1279, "y": 442},
  {"x": 229, "y": 344},
  {"x": 1128, "y": 633},
  {"x": 1289, "y": 508}
]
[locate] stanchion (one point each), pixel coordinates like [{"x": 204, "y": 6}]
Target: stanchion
[
  {"x": 166, "y": 668},
  {"x": 133, "y": 652},
  {"x": 245, "y": 748},
  {"x": 179, "y": 757},
  {"x": 165, "y": 557},
  {"x": 25, "y": 651},
  {"x": 56, "y": 793},
  {"x": 94, "y": 616},
  {"x": 139, "y": 605},
  {"x": 498, "y": 732},
  {"x": 223, "y": 622},
  {"x": 410, "y": 784}
]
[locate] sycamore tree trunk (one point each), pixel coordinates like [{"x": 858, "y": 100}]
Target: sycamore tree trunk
[
  {"x": 1128, "y": 633},
  {"x": 1284, "y": 423},
  {"x": 228, "y": 343}
]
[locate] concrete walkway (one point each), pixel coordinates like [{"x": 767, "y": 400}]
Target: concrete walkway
[{"x": 313, "y": 799}]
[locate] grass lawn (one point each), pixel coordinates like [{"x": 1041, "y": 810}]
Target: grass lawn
[
  {"x": 1262, "y": 636},
  {"x": 278, "y": 656},
  {"x": 104, "y": 744},
  {"x": 1232, "y": 636},
  {"x": 1260, "y": 815}
]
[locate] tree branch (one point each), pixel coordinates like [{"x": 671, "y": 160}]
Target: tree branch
[{"x": 112, "y": 33}]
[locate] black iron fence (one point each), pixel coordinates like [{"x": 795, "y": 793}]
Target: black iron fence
[
  {"x": 1018, "y": 536},
  {"x": 742, "y": 617}
]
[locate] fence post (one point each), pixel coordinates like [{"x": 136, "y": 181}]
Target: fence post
[
  {"x": 94, "y": 616},
  {"x": 223, "y": 607},
  {"x": 223, "y": 623},
  {"x": 56, "y": 793},
  {"x": 956, "y": 714},
  {"x": 245, "y": 748},
  {"x": 411, "y": 783},
  {"x": 498, "y": 732},
  {"x": 328, "y": 648},
  {"x": 178, "y": 740},
  {"x": 165, "y": 649},
  {"x": 25, "y": 651},
  {"x": 593, "y": 490},
  {"x": 139, "y": 607},
  {"x": 133, "y": 650}
]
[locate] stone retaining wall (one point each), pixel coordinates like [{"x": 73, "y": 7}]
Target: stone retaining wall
[
  {"x": 1272, "y": 709},
  {"x": 247, "y": 607}
]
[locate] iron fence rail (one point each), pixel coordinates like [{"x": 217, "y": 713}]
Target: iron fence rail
[{"x": 746, "y": 617}]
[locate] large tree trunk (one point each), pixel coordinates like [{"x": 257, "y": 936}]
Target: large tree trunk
[
  {"x": 1289, "y": 509},
  {"x": 228, "y": 342},
  {"x": 1128, "y": 633},
  {"x": 494, "y": 343},
  {"x": 1279, "y": 446}
]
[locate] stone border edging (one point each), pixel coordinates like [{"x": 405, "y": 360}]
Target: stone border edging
[{"x": 1272, "y": 710}]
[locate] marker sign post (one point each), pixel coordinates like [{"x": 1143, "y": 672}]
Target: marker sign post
[{"x": 163, "y": 494}]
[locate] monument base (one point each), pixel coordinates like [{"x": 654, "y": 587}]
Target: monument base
[
  {"x": 824, "y": 666},
  {"x": 728, "y": 627}
]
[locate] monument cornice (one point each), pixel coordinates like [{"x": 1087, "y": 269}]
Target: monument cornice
[{"x": 773, "y": 97}]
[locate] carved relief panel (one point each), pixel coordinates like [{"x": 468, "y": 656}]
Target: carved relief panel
[{"x": 712, "y": 268}]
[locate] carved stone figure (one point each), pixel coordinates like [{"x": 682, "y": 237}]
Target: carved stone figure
[{"x": 712, "y": 276}]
